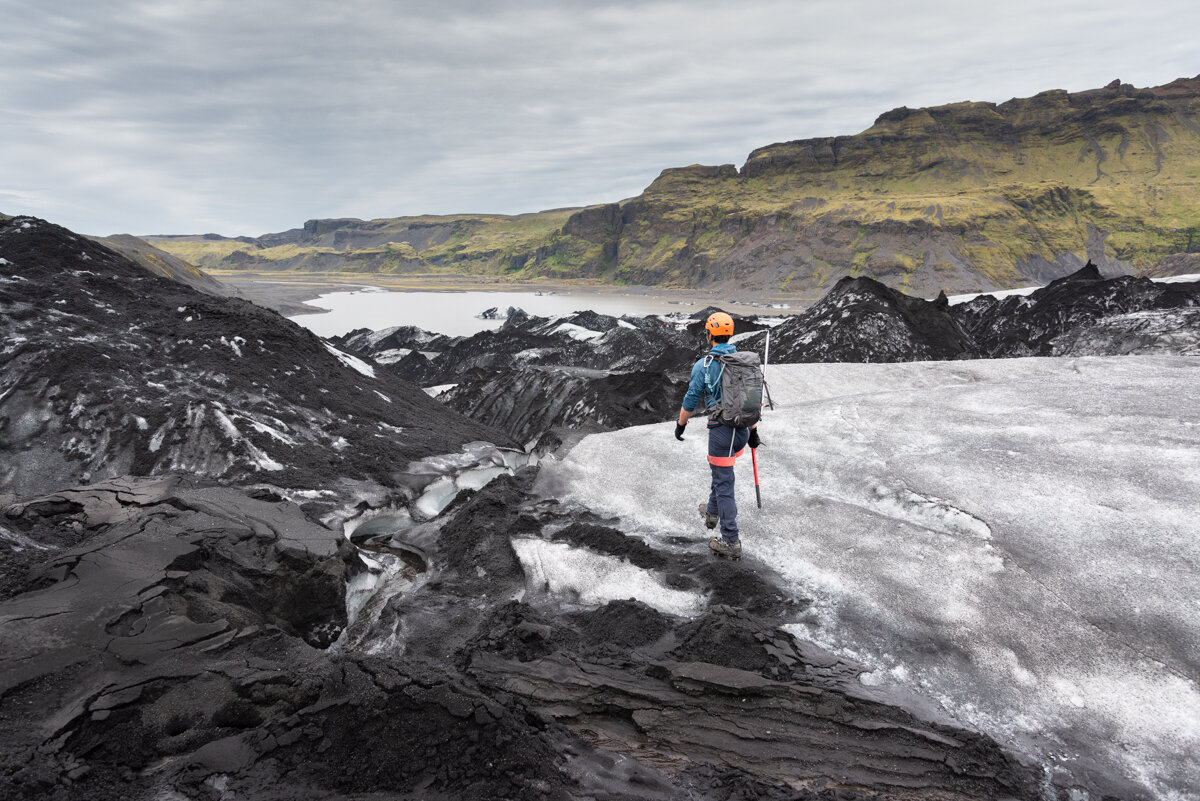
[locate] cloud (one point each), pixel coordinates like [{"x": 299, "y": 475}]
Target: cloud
[{"x": 249, "y": 117}]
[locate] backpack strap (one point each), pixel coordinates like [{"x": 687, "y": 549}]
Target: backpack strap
[{"x": 708, "y": 386}]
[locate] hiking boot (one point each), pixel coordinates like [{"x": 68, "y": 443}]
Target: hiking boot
[
  {"x": 721, "y": 547},
  {"x": 710, "y": 521}
]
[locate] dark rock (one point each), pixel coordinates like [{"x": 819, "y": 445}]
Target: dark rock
[
  {"x": 744, "y": 587},
  {"x": 787, "y": 735},
  {"x": 623, "y": 624},
  {"x": 1056, "y": 320},
  {"x": 179, "y": 644},
  {"x": 377, "y": 344},
  {"x": 604, "y": 539},
  {"x": 517, "y": 631},
  {"x": 741, "y": 323},
  {"x": 1084, "y": 313},
  {"x": 112, "y": 371},
  {"x": 475, "y": 543},
  {"x": 861, "y": 320}
]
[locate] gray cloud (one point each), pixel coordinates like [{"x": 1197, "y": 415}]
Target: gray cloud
[{"x": 250, "y": 117}]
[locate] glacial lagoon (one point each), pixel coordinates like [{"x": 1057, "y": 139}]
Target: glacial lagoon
[{"x": 456, "y": 313}]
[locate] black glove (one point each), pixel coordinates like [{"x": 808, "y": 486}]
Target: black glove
[
  {"x": 753, "y": 442},
  {"x": 679, "y": 431}
]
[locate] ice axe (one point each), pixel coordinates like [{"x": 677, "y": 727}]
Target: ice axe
[
  {"x": 754, "y": 461},
  {"x": 754, "y": 451}
]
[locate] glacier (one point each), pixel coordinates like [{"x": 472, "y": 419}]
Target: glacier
[{"x": 1011, "y": 545}]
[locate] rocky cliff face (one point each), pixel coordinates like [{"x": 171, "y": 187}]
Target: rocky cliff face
[{"x": 963, "y": 197}]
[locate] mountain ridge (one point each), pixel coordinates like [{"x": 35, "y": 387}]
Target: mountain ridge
[{"x": 967, "y": 196}]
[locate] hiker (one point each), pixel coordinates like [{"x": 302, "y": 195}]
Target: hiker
[{"x": 725, "y": 442}]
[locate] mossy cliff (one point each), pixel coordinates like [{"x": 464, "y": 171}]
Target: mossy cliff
[{"x": 967, "y": 196}]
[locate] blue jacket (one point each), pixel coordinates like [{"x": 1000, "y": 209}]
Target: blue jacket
[{"x": 706, "y": 381}]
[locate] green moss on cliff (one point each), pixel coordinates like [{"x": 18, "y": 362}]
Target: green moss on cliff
[{"x": 975, "y": 192}]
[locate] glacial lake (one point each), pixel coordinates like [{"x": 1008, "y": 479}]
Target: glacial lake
[{"x": 455, "y": 313}]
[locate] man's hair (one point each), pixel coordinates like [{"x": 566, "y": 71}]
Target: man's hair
[{"x": 721, "y": 340}]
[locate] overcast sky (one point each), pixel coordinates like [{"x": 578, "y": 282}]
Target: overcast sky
[{"x": 247, "y": 117}]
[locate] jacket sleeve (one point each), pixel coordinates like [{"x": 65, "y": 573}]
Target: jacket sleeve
[{"x": 695, "y": 387}]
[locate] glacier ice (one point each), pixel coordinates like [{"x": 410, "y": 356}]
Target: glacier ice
[
  {"x": 352, "y": 362},
  {"x": 437, "y": 496},
  {"x": 1013, "y": 544},
  {"x": 594, "y": 579}
]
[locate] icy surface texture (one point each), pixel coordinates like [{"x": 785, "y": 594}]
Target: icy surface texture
[
  {"x": 470, "y": 469},
  {"x": 595, "y": 579},
  {"x": 1012, "y": 543},
  {"x": 352, "y": 362},
  {"x": 437, "y": 496}
]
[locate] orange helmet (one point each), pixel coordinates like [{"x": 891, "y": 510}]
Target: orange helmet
[{"x": 719, "y": 324}]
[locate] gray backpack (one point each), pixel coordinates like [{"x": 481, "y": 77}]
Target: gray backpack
[{"x": 742, "y": 388}]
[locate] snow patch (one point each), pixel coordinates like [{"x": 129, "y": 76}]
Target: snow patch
[
  {"x": 227, "y": 425},
  {"x": 262, "y": 459},
  {"x": 391, "y": 356},
  {"x": 1029, "y": 290},
  {"x": 440, "y": 389},
  {"x": 352, "y": 362},
  {"x": 437, "y": 496},
  {"x": 235, "y": 344},
  {"x": 156, "y": 440},
  {"x": 577, "y": 332},
  {"x": 998, "y": 294},
  {"x": 255, "y": 455},
  {"x": 308, "y": 494},
  {"x": 263, "y": 428},
  {"x": 19, "y": 542},
  {"x": 585, "y": 577},
  {"x": 528, "y": 354},
  {"x": 479, "y": 478}
]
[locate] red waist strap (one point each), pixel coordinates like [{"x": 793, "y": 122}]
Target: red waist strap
[{"x": 725, "y": 461}]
